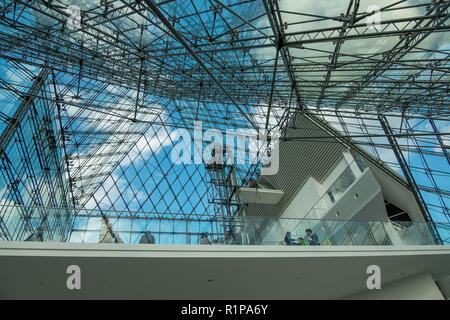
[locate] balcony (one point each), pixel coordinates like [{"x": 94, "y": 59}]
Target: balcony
[
  {"x": 268, "y": 231},
  {"x": 241, "y": 230}
]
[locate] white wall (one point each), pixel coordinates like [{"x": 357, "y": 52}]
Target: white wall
[
  {"x": 418, "y": 287},
  {"x": 311, "y": 192},
  {"x": 369, "y": 204},
  {"x": 304, "y": 200},
  {"x": 336, "y": 172},
  {"x": 366, "y": 187}
]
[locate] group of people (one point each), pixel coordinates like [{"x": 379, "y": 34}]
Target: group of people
[{"x": 310, "y": 239}]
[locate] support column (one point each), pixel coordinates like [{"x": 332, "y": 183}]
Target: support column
[{"x": 408, "y": 175}]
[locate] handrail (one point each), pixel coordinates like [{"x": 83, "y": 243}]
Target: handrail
[{"x": 264, "y": 230}]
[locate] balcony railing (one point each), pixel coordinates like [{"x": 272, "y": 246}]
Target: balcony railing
[
  {"x": 176, "y": 228},
  {"x": 270, "y": 231}
]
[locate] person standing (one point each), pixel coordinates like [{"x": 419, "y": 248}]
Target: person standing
[
  {"x": 312, "y": 238},
  {"x": 147, "y": 237},
  {"x": 204, "y": 239}
]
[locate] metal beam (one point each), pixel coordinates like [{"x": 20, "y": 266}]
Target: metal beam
[
  {"x": 407, "y": 173},
  {"x": 154, "y": 8},
  {"x": 27, "y": 101}
]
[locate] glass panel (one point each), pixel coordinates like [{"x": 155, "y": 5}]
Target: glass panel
[{"x": 243, "y": 230}]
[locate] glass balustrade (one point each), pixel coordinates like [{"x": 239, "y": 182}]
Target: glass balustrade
[{"x": 241, "y": 230}]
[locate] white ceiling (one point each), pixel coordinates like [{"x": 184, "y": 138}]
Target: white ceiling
[{"x": 122, "y": 271}]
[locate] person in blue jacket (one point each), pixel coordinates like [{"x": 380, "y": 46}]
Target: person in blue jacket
[{"x": 312, "y": 238}]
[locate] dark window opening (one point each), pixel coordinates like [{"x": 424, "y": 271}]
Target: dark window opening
[{"x": 395, "y": 214}]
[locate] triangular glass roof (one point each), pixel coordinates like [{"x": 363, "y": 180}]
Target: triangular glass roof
[{"x": 123, "y": 77}]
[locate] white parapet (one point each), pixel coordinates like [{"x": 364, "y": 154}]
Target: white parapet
[
  {"x": 146, "y": 271},
  {"x": 260, "y": 195}
]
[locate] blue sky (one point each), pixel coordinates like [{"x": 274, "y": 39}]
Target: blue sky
[{"x": 151, "y": 166}]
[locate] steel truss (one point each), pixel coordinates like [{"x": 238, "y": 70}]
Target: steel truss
[{"x": 117, "y": 88}]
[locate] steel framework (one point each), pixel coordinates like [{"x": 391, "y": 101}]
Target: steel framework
[{"x": 118, "y": 78}]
